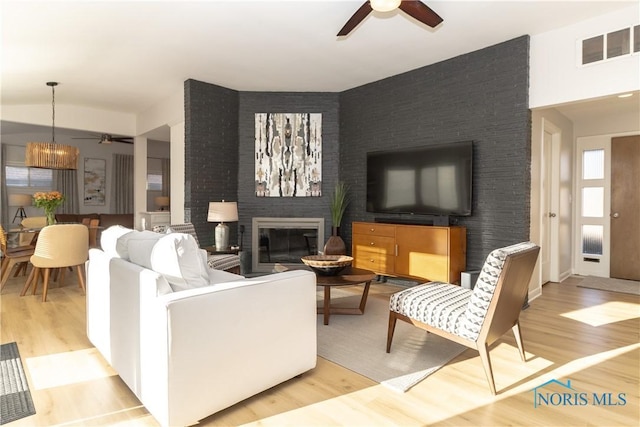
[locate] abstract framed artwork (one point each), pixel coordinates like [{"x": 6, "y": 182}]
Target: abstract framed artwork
[
  {"x": 288, "y": 154},
  {"x": 95, "y": 175}
]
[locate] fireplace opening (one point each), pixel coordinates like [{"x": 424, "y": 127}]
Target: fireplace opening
[{"x": 283, "y": 241}]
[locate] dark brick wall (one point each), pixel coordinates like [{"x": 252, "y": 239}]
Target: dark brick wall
[
  {"x": 211, "y": 153},
  {"x": 481, "y": 96},
  {"x": 278, "y": 102}
]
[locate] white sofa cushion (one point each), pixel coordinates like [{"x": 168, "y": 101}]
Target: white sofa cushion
[
  {"x": 109, "y": 239},
  {"x": 122, "y": 244},
  {"x": 176, "y": 256}
]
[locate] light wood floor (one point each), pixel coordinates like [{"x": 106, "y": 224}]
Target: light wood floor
[{"x": 587, "y": 336}]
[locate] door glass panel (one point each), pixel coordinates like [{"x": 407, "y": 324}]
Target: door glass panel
[
  {"x": 593, "y": 164},
  {"x": 593, "y": 202},
  {"x": 592, "y": 236}
]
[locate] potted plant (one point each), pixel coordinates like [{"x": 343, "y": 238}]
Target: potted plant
[{"x": 338, "y": 204}]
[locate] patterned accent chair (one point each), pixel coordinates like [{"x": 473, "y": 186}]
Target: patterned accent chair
[
  {"x": 474, "y": 318},
  {"x": 226, "y": 262}
]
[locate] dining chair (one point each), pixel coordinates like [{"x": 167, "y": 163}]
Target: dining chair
[
  {"x": 93, "y": 232},
  {"x": 58, "y": 246},
  {"x": 31, "y": 222},
  {"x": 34, "y": 222},
  {"x": 11, "y": 258},
  {"x": 474, "y": 318}
]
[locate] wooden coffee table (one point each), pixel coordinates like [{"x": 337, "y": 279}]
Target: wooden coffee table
[{"x": 348, "y": 276}]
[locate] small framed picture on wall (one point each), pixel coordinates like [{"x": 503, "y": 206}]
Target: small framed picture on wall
[{"x": 95, "y": 176}]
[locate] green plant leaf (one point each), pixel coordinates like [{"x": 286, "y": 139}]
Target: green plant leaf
[{"x": 339, "y": 202}]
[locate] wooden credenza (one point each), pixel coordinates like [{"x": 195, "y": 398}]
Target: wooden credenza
[{"x": 422, "y": 252}]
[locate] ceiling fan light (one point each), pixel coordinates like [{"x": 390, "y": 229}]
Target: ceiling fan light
[
  {"x": 105, "y": 139},
  {"x": 384, "y": 5}
]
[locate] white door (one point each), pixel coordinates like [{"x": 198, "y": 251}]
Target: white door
[
  {"x": 547, "y": 214},
  {"x": 551, "y": 211},
  {"x": 592, "y": 208}
]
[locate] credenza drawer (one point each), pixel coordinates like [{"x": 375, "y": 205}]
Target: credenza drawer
[
  {"x": 374, "y": 229},
  {"x": 376, "y": 244},
  {"x": 377, "y": 263}
]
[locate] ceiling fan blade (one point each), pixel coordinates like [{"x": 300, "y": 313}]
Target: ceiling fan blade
[
  {"x": 357, "y": 17},
  {"x": 125, "y": 140},
  {"x": 421, "y": 12}
]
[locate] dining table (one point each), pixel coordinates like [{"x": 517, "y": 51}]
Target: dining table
[{"x": 19, "y": 236}]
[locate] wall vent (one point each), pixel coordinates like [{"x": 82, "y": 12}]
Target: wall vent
[{"x": 610, "y": 45}]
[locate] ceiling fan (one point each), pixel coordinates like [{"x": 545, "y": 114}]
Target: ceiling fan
[
  {"x": 107, "y": 138},
  {"x": 414, "y": 8}
]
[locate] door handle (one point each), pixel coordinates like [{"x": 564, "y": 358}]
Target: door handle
[
  {"x": 552, "y": 215},
  {"x": 615, "y": 215}
]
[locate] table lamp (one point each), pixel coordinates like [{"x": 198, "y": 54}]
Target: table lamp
[
  {"x": 20, "y": 201},
  {"x": 222, "y": 212},
  {"x": 162, "y": 202}
]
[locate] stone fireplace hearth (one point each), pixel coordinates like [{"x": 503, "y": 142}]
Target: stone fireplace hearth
[{"x": 284, "y": 241}]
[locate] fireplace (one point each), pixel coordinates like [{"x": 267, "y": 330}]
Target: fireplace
[{"x": 283, "y": 241}]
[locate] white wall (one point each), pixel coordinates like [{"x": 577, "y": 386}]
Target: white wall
[
  {"x": 556, "y": 77},
  {"x": 72, "y": 117},
  {"x": 619, "y": 123}
]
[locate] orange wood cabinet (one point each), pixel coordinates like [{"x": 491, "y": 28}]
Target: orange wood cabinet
[{"x": 420, "y": 252}]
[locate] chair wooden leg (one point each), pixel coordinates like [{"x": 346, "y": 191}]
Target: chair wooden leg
[
  {"x": 391, "y": 330},
  {"x": 22, "y": 267},
  {"x": 80, "y": 269},
  {"x": 47, "y": 273},
  {"x": 517, "y": 334},
  {"x": 37, "y": 277},
  {"x": 6, "y": 272},
  {"x": 32, "y": 276},
  {"x": 483, "y": 349},
  {"x": 60, "y": 273}
]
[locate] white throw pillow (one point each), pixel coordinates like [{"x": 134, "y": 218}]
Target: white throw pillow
[
  {"x": 176, "y": 256},
  {"x": 109, "y": 239},
  {"x": 122, "y": 244},
  {"x": 140, "y": 251}
]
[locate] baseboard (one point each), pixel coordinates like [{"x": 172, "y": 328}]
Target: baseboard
[
  {"x": 565, "y": 275},
  {"x": 534, "y": 294}
]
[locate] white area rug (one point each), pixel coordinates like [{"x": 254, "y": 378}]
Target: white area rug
[
  {"x": 613, "y": 285},
  {"x": 359, "y": 343}
]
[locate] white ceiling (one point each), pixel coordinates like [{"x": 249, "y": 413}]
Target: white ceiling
[{"x": 129, "y": 55}]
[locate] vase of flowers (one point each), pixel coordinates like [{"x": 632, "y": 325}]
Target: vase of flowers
[{"x": 49, "y": 202}]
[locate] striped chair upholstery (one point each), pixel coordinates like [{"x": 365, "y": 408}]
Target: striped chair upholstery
[
  {"x": 226, "y": 262},
  {"x": 467, "y": 316}
]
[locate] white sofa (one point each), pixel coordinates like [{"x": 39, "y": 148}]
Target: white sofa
[{"x": 187, "y": 354}]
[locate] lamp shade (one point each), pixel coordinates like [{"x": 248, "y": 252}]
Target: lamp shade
[
  {"x": 49, "y": 155},
  {"x": 20, "y": 200},
  {"x": 222, "y": 211},
  {"x": 162, "y": 201}
]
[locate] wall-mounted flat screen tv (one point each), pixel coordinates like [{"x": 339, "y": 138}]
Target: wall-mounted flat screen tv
[{"x": 432, "y": 180}]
